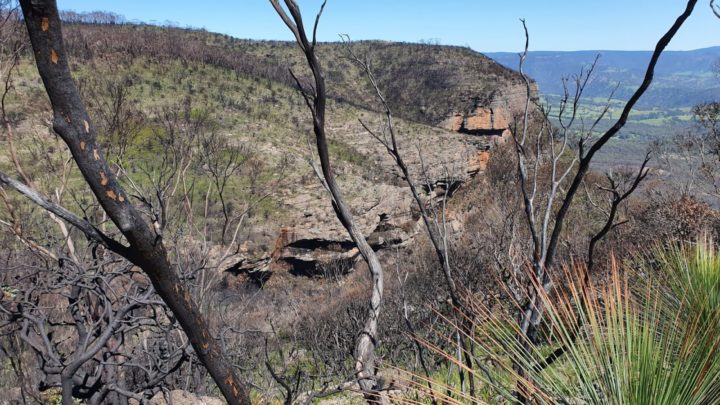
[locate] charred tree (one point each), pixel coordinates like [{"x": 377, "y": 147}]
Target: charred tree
[{"x": 144, "y": 246}]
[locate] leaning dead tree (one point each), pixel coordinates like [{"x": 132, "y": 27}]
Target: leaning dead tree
[
  {"x": 142, "y": 245},
  {"x": 544, "y": 221},
  {"x": 433, "y": 218},
  {"x": 316, "y": 99}
]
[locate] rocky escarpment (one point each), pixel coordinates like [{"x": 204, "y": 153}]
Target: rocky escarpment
[
  {"x": 491, "y": 117},
  {"x": 311, "y": 242}
]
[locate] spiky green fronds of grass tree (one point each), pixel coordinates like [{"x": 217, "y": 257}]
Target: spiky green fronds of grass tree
[
  {"x": 643, "y": 335},
  {"x": 692, "y": 274}
]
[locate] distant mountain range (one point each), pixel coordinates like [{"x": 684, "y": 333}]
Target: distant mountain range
[{"x": 683, "y": 78}]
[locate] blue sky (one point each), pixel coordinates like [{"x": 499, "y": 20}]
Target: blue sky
[{"x": 483, "y": 25}]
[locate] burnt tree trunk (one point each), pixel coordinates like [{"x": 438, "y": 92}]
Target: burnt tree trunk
[{"x": 146, "y": 249}]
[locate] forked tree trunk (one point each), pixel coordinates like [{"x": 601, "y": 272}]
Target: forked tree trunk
[{"x": 544, "y": 253}]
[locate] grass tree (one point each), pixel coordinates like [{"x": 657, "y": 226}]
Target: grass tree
[{"x": 631, "y": 338}]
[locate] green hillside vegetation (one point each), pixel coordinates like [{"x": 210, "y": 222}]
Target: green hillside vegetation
[
  {"x": 206, "y": 143},
  {"x": 241, "y": 92},
  {"x": 423, "y": 83}
]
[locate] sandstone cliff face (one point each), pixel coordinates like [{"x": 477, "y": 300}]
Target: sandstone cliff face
[
  {"x": 491, "y": 117},
  {"x": 489, "y": 120},
  {"x": 459, "y": 105},
  {"x": 310, "y": 241},
  {"x": 316, "y": 240}
]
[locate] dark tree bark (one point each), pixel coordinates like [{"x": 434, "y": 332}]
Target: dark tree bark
[
  {"x": 545, "y": 242},
  {"x": 146, "y": 249},
  {"x": 586, "y": 158}
]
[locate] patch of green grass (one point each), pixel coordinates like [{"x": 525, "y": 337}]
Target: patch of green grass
[{"x": 346, "y": 153}]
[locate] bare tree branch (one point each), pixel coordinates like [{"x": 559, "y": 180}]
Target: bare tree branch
[
  {"x": 584, "y": 164},
  {"x": 72, "y": 123},
  {"x": 435, "y": 229},
  {"x": 82, "y": 224},
  {"x": 366, "y": 343},
  {"x": 618, "y": 196}
]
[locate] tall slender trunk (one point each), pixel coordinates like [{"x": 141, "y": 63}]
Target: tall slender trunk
[{"x": 72, "y": 123}]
